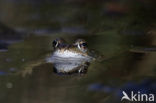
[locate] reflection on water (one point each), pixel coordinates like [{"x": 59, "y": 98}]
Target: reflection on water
[
  {"x": 125, "y": 37},
  {"x": 69, "y": 65}
]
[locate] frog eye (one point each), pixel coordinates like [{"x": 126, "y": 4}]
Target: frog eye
[
  {"x": 54, "y": 43},
  {"x": 84, "y": 44}
]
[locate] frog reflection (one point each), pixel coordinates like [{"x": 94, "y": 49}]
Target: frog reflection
[{"x": 70, "y": 58}]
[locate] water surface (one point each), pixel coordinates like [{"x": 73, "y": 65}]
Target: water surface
[{"x": 126, "y": 43}]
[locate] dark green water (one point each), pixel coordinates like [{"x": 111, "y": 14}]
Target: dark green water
[{"x": 125, "y": 36}]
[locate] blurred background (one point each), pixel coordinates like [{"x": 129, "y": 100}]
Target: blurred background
[{"x": 124, "y": 31}]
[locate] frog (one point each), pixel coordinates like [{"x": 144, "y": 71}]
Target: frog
[{"x": 70, "y": 58}]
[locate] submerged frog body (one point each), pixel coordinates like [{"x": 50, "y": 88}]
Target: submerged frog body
[{"x": 68, "y": 58}]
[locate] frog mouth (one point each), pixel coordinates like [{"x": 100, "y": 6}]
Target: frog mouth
[
  {"x": 67, "y": 54},
  {"x": 69, "y": 62}
]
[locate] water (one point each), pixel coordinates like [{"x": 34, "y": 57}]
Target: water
[
  {"x": 77, "y": 63},
  {"x": 124, "y": 38}
]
